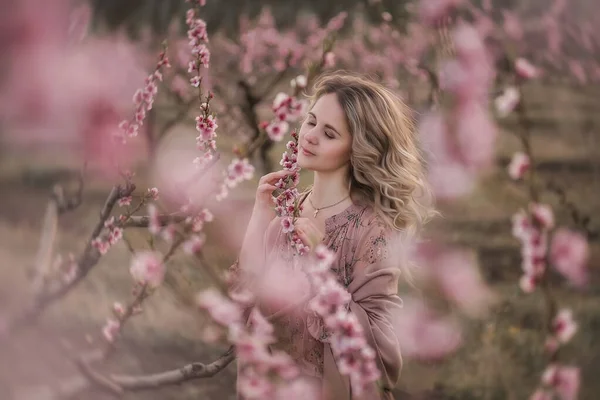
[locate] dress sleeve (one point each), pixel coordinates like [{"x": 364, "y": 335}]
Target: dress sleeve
[{"x": 375, "y": 300}]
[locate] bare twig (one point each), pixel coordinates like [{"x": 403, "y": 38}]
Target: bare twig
[
  {"x": 53, "y": 291},
  {"x": 581, "y": 220},
  {"x": 118, "y": 384},
  {"x": 68, "y": 204},
  {"x": 177, "y": 376},
  {"x": 183, "y": 112},
  {"x": 434, "y": 93},
  {"x": 143, "y": 221},
  {"x": 277, "y": 79}
]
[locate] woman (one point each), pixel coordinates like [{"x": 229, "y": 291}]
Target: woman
[{"x": 358, "y": 139}]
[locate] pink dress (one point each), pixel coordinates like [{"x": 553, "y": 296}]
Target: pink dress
[{"x": 359, "y": 240}]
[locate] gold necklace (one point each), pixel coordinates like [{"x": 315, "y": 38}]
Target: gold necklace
[{"x": 322, "y": 208}]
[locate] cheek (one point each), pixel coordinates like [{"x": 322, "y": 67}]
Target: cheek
[
  {"x": 341, "y": 151},
  {"x": 303, "y": 129},
  {"x": 335, "y": 153}
]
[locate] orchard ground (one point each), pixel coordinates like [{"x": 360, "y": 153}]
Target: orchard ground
[{"x": 502, "y": 358}]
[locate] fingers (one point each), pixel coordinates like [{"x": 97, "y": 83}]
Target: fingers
[
  {"x": 303, "y": 237},
  {"x": 266, "y": 188},
  {"x": 308, "y": 232},
  {"x": 274, "y": 176}
]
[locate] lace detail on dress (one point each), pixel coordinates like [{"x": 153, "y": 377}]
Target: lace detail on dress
[
  {"x": 377, "y": 248},
  {"x": 303, "y": 335}
]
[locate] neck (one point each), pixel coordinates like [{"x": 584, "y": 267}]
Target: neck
[{"x": 329, "y": 188}]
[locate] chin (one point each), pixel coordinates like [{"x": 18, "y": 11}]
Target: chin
[{"x": 305, "y": 166}]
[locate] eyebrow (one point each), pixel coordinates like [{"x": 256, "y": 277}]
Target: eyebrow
[{"x": 326, "y": 125}]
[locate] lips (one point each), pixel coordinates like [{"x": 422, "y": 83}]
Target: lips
[{"x": 310, "y": 152}]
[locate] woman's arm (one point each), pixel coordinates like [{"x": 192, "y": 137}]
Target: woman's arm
[{"x": 252, "y": 253}]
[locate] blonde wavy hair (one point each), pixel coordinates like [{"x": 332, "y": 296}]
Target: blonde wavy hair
[{"x": 387, "y": 168}]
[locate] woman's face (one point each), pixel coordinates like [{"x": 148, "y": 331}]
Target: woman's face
[{"x": 325, "y": 134}]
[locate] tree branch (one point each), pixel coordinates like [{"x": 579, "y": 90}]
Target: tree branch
[
  {"x": 143, "y": 221},
  {"x": 188, "y": 372},
  {"x": 119, "y": 384},
  {"x": 53, "y": 291}
]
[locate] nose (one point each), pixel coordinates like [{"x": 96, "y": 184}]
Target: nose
[{"x": 311, "y": 137}]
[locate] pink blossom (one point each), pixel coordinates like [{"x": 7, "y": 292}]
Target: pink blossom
[
  {"x": 71, "y": 270},
  {"x": 154, "y": 225},
  {"x": 512, "y": 26},
  {"x": 298, "y": 389},
  {"x": 212, "y": 333},
  {"x": 221, "y": 309},
  {"x": 330, "y": 297},
  {"x": 272, "y": 293},
  {"x": 244, "y": 296},
  {"x": 111, "y": 329},
  {"x": 578, "y": 71},
  {"x": 68, "y": 95},
  {"x": 239, "y": 171},
  {"x": 551, "y": 345},
  {"x": 101, "y": 245},
  {"x": 250, "y": 348},
  {"x": 261, "y": 328},
  {"x": 525, "y": 69},
  {"x": 283, "y": 365},
  {"x": 118, "y": 309},
  {"x": 507, "y": 101},
  {"x": 206, "y": 215},
  {"x": 324, "y": 256},
  {"x": 447, "y": 177},
  {"x": 299, "y": 82},
  {"x": 535, "y": 244},
  {"x": 534, "y": 265},
  {"x": 563, "y": 325},
  {"x": 287, "y": 224},
  {"x": 432, "y": 11},
  {"x": 168, "y": 233},
  {"x": 207, "y": 126},
  {"x": 115, "y": 235},
  {"x": 476, "y": 134},
  {"x": 147, "y": 268},
  {"x": 125, "y": 201},
  {"x": 424, "y": 335},
  {"x": 153, "y": 193},
  {"x": 281, "y": 100},
  {"x": 569, "y": 253},
  {"x": 542, "y": 213},
  {"x": 180, "y": 180},
  {"x": 277, "y": 129},
  {"x": 329, "y": 60},
  {"x": 528, "y": 283},
  {"x": 254, "y": 386},
  {"x": 521, "y": 225},
  {"x": 565, "y": 380},
  {"x": 460, "y": 280},
  {"x": 110, "y": 222},
  {"x": 193, "y": 245},
  {"x": 519, "y": 165},
  {"x": 468, "y": 43},
  {"x": 451, "y": 180}
]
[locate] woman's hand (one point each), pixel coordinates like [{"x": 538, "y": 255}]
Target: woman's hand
[
  {"x": 309, "y": 232},
  {"x": 264, "y": 193}
]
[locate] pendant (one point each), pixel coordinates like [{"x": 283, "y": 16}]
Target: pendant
[{"x": 315, "y": 214}]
